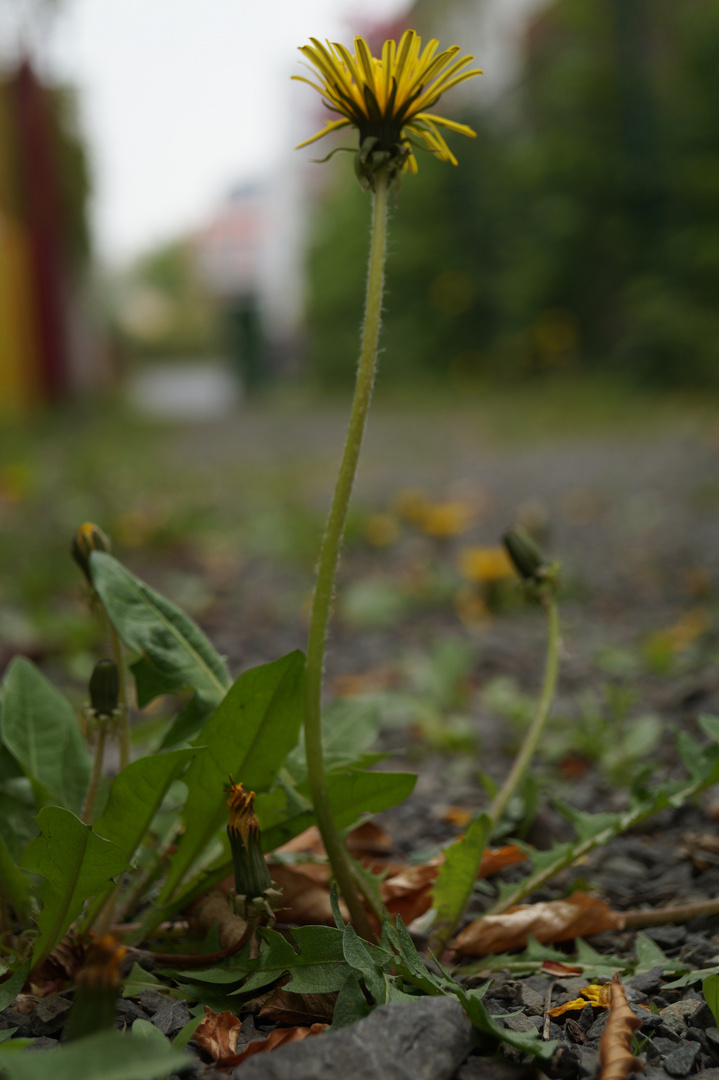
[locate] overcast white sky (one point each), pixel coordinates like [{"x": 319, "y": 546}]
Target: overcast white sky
[{"x": 183, "y": 98}]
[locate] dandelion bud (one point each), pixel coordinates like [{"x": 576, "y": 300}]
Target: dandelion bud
[
  {"x": 252, "y": 878},
  {"x": 97, "y": 984},
  {"x": 88, "y": 538},
  {"x": 524, "y": 553},
  {"x": 104, "y": 688}
]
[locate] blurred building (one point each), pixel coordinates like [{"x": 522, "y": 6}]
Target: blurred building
[{"x": 48, "y": 348}]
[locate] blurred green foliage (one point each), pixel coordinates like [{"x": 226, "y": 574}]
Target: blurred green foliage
[{"x": 580, "y": 228}]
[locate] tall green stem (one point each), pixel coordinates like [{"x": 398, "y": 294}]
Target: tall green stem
[
  {"x": 531, "y": 740},
  {"x": 123, "y": 730},
  {"x": 329, "y": 559}
]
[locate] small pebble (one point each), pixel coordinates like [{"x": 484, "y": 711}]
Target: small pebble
[
  {"x": 682, "y": 1060},
  {"x": 49, "y": 1015}
]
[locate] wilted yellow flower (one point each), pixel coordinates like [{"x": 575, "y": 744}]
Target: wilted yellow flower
[
  {"x": 385, "y": 98},
  {"x": 483, "y": 564},
  {"x": 252, "y": 878}
]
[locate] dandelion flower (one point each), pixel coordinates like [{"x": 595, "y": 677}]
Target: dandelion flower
[{"x": 386, "y": 98}]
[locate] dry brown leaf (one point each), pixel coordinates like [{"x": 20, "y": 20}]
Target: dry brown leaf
[
  {"x": 285, "y": 1007},
  {"x": 217, "y": 1034},
  {"x": 214, "y": 907},
  {"x": 305, "y": 894},
  {"x": 560, "y": 971},
  {"x": 615, "y": 1047},
  {"x": 278, "y": 1037},
  {"x": 548, "y": 921}
]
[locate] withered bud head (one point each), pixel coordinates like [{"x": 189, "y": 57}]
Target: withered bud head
[
  {"x": 88, "y": 538},
  {"x": 104, "y": 688},
  {"x": 98, "y": 981},
  {"x": 102, "y": 964},
  {"x": 252, "y": 878}
]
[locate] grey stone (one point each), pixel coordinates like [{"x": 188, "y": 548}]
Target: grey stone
[
  {"x": 171, "y": 1018},
  {"x": 681, "y": 1061},
  {"x": 588, "y": 1064},
  {"x": 565, "y": 1063},
  {"x": 663, "y": 1046},
  {"x": 667, "y": 937},
  {"x": 11, "y": 1019},
  {"x": 693, "y": 1011},
  {"x": 532, "y": 1001},
  {"x": 49, "y": 1015},
  {"x": 521, "y": 1022},
  {"x": 493, "y": 1068},
  {"x": 152, "y": 1000},
  {"x": 585, "y": 1018},
  {"x": 43, "y": 1042},
  {"x": 424, "y": 1040},
  {"x": 712, "y": 1035},
  {"x": 673, "y": 1025},
  {"x": 127, "y": 1011},
  {"x": 649, "y": 982}
]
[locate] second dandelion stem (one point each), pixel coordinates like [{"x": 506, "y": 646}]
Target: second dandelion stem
[{"x": 329, "y": 559}]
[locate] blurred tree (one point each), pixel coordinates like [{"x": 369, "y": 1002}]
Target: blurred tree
[
  {"x": 161, "y": 307},
  {"x": 581, "y": 226}
]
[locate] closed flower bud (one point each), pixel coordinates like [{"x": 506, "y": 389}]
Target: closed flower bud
[
  {"x": 524, "y": 553},
  {"x": 252, "y": 877},
  {"x": 88, "y": 538},
  {"x": 104, "y": 688}
]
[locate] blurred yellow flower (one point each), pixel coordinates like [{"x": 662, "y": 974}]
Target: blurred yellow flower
[
  {"x": 381, "y": 530},
  {"x": 386, "y": 97},
  {"x": 483, "y": 564},
  {"x": 445, "y": 520}
]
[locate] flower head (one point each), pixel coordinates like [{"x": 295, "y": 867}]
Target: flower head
[
  {"x": 252, "y": 878},
  {"x": 386, "y": 98}
]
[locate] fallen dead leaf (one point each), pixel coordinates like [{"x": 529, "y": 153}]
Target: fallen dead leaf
[
  {"x": 217, "y": 1034},
  {"x": 278, "y": 1037},
  {"x": 554, "y": 920},
  {"x": 409, "y": 892},
  {"x": 560, "y": 971},
  {"x": 305, "y": 894},
  {"x": 615, "y": 1047},
  {"x": 285, "y": 1007}
]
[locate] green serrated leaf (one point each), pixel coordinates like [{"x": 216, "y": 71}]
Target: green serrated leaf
[
  {"x": 358, "y": 957},
  {"x": 248, "y": 737},
  {"x": 351, "y": 1004},
  {"x": 76, "y": 865},
  {"x": 710, "y": 726},
  {"x": 526, "y": 1041},
  {"x": 456, "y": 877},
  {"x": 41, "y": 731},
  {"x": 14, "y": 883},
  {"x": 136, "y": 794},
  {"x": 710, "y": 990},
  {"x": 181, "y": 655},
  {"x": 348, "y": 730},
  {"x": 691, "y": 977},
  {"x": 107, "y": 1055},
  {"x": 649, "y": 956},
  {"x": 10, "y": 989},
  {"x": 352, "y": 793}
]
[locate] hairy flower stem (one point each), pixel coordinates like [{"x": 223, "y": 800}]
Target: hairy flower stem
[
  {"x": 123, "y": 729},
  {"x": 531, "y": 739},
  {"x": 91, "y": 796},
  {"x": 329, "y": 559}
]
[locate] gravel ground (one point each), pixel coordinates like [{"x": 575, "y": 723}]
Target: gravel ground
[{"x": 634, "y": 520}]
